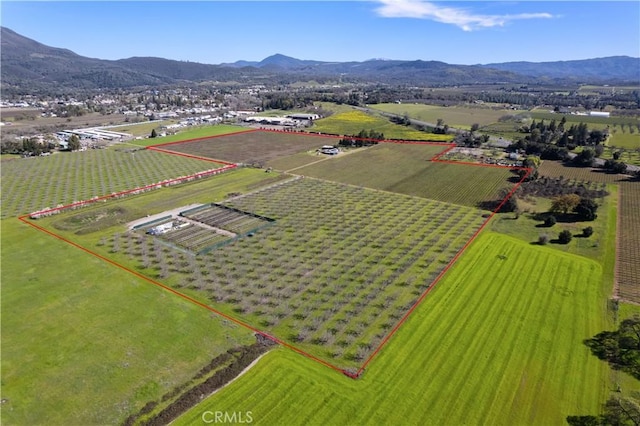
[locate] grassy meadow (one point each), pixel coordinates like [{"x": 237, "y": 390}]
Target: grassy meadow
[
  {"x": 527, "y": 228},
  {"x": 86, "y": 343},
  {"x": 627, "y": 141},
  {"x": 294, "y": 161},
  {"x": 628, "y": 197},
  {"x": 142, "y": 129},
  {"x": 198, "y": 132},
  {"x": 488, "y": 346},
  {"x": 461, "y": 117}
]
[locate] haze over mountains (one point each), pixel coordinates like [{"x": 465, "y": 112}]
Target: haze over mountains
[{"x": 30, "y": 67}]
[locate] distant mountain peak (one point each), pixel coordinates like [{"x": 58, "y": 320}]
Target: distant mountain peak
[
  {"x": 285, "y": 61},
  {"x": 278, "y": 57}
]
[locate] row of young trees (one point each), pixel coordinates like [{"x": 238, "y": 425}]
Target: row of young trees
[
  {"x": 541, "y": 134},
  {"x": 363, "y": 138},
  {"x": 553, "y": 132}
]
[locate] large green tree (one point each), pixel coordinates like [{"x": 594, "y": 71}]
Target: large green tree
[
  {"x": 74, "y": 143},
  {"x": 585, "y": 157},
  {"x": 565, "y": 203},
  {"x": 586, "y": 209}
]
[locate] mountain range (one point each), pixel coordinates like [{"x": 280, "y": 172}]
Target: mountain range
[{"x": 29, "y": 67}]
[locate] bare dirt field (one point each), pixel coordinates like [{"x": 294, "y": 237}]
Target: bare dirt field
[{"x": 250, "y": 147}]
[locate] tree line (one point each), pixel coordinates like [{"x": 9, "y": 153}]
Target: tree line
[{"x": 363, "y": 138}]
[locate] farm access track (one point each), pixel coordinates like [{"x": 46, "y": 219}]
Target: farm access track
[{"x": 352, "y": 373}]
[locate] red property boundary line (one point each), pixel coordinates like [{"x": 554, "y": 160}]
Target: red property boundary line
[
  {"x": 229, "y": 166},
  {"x": 139, "y": 189}
]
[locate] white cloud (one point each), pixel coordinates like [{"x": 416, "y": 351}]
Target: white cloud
[{"x": 462, "y": 18}]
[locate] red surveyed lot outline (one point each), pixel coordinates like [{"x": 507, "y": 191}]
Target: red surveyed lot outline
[{"x": 229, "y": 166}]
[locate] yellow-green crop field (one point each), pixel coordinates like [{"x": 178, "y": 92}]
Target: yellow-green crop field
[{"x": 352, "y": 122}]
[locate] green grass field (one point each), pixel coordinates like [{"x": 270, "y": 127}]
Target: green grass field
[
  {"x": 142, "y": 129},
  {"x": 527, "y": 228},
  {"x": 334, "y": 107},
  {"x": 86, "y": 343},
  {"x": 490, "y": 345},
  {"x": 199, "y": 132},
  {"x": 406, "y": 169},
  {"x": 630, "y": 141},
  {"x": 352, "y": 122},
  {"x": 459, "y": 117}
]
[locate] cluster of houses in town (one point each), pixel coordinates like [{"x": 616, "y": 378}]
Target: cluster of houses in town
[
  {"x": 291, "y": 120},
  {"x": 98, "y": 137},
  {"x": 193, "y": 121}
]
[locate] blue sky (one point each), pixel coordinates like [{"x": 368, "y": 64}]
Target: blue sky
[{"x": 216, "y": 31}]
